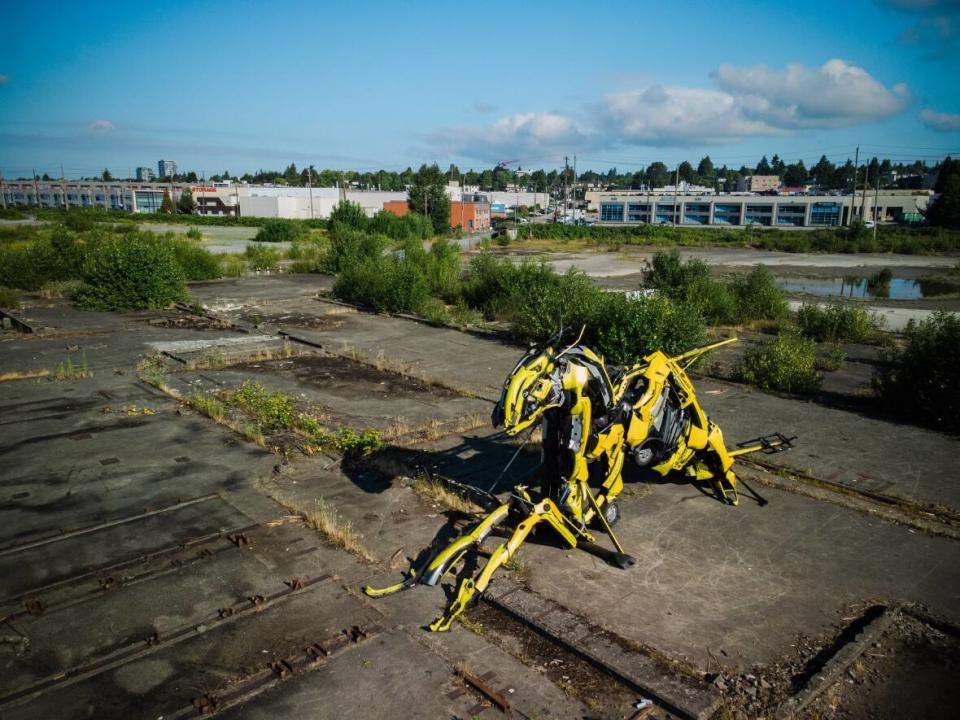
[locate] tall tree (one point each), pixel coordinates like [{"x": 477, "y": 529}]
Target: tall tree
[
  {"x": 685, "y": 171},
  {"x": 945, "y": 210},
  {"x": 705, "y": 168},
  {"x": 186, "y": 203},
  {"x": 166, "y": 205},
  {"x": 106, "y": 176},
  {"x": 795, "y": 175},
  {"x": 777, "y": 166},
  {"x": 657, "y": 174},
  {"x": 453, "y": 173},
  {"x": 763, "y": 167},
  {"x": 427, "y": 195}
]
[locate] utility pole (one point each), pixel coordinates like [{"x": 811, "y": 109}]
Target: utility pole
[
  {"x": 876, "y": 199},
  {"x": 853, "y": 203},
  {"x": 676, "y": 187},
  {"x": 63, "y": 185},
  {"x": 574, "y": 187},
  {"x": 566, "y": 172},
  {"x": 310, "y": 187},
  {"x": 36, "y": 189},
  {"x": 866, "y": 183}
]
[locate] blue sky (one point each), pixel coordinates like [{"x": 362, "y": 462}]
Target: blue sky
[{"x": 246, "y": 85}]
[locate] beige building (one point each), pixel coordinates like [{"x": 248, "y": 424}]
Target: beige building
[{"x": 758, "y": 183}]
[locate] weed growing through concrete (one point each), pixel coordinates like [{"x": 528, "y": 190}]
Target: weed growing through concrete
[
  {"x": 337, "y": 531},
  {"x": 69, "y": 371},
  {"x": 153, "y": 370},
  {"x": 209, "y": 405},
  {"x": 435, "y": 489}
]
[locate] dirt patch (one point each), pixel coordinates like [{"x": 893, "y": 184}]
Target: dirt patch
[
  {"x": 911, "y": 670},
  {"x": 300, "y": 320},
  {"x": 326, "y": 370},
  {"x": 575, "y": 676},
  {"x": 188, "y": 322}
]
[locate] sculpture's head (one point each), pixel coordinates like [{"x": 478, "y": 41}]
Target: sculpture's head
[
  {"x": 534, "y": 386},
  {"x": 531, "y": 389}
]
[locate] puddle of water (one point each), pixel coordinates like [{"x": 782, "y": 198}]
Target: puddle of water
[{"x": 855, "y": 287}]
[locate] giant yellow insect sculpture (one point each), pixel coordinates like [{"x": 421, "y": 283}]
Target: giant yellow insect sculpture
[{"x": 592, "y": 416}]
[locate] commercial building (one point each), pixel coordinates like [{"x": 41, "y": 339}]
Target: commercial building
[
  {"x": 762, "y": 210},
  {"x": 758, "y": 183},
  {"x": 166, "y": 168},
  {"x": 145, "y": 174},
  {"x": 471, "y": 214}
]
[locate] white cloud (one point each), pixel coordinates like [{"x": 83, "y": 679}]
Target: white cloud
[
  {"x": 101, "y": 127},
  {"x": 676, "y": 116},
  {"x": 941, "y": 122},
  {"x": 833, "y": 95},
  {"x": 747, "y": 101},
  {"x": 522, "y": 133}
]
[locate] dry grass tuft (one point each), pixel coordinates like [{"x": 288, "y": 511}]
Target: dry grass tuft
[
  {"x": 24, "y": 374},
  {"x": 433, "y": 488},
  {"x": 337, "y": 531}
]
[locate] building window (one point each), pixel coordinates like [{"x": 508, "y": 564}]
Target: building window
[
  {"x": 758, "y": 215},
  {"x": 791, "y": 215},
  {"x": 145, "y": 201},
  {"x": 726, "y": 214},
  {"x": 825, "y": 214},
  {"x": 611, "y": 212},
  {"x": 696, "y": 213},
  {"x": 667, "y": 213},
  {"x": 638, "y": 213}
]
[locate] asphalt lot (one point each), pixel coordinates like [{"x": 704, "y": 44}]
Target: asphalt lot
[{"x": 130, "y": 591}]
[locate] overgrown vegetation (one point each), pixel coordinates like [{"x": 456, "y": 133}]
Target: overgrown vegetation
[
  {"x": 104, "y": 268},
  {"x": 532, "y": 297},
  {"x": 787, "y": 364},
  {"x": 9, "y": 298},
  {"x": 839, "y": 322},
  {"x": 410, "y": 226},
  {"x": 921, "y": 381},
  {"x": 855, "y": 239},
  {"x": 261, "y": 257},
  {"x": 137, "y": 272},
  {"x": 280, "y": 230},
  {"x": 754, "y": 296}
]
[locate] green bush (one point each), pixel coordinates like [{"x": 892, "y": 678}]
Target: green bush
[
  {"x": 262, "y": 257},
  {"x": 787, "y": 364},
  {"x": 411, "y": 226},
  {"x": 197, "y": 263},
  {"x": 9, "y": 299},
  {"x": 897, "y": 239},
  {"x": 272, "y": 410},
  {"x": 386, "y": 284},
  {"x": 690, "y": 283},
  {"x": 277, "y": 230},
  {"x": 309, "y": 256},
  {"x": 232, "y": 266},
  {"x": 839, "y": 322},
  {"x": 759, "y": 297},
  {"x": 921, "y": 382},
  {"x": 194, "y": 234},
  {"x": 348, "y": 246},
  {"x": 78, "y": 220},
  {"x": 135, "y": 272},
  {"x": 348, "y": 214},
  {"x": 624, "y": 330},
  {"x": 536, "y": 299},
  {"x": 58, "y": 254},
  {"x": 754, "y": 296}
]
